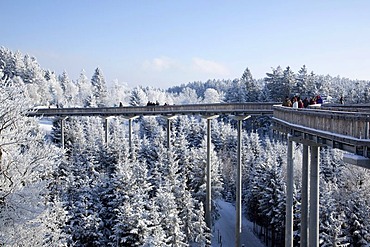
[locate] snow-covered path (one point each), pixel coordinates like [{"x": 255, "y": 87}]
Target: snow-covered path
[{"x": 225, "y": 227}]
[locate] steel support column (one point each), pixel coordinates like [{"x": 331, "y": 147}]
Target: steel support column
[
  {"x": 289, "y": 196},
  {"x": 106, "y": 131},
  {"x": 169, "y": 130},
  {"x": 238, "y": 226},
  {"x": 304, "y": 201},
  {"x": 314, "y": 198},
  {"x": 62, "y": 122},
  {"x": 168, "y": 133},
  {"x": 130, "y": 133},
  {"x": 208, "y": 175}
]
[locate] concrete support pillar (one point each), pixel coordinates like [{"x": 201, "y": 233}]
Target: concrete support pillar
[
  {"x": 106, "y": 133},
  {"x": 289, "y": 197},
  {"x": 169, "y": 131},
  {"x": 130, "y": 133},
  {"x": 208, "y": 175},
  {"x": 62, "y": 121},
  {"x": 314, "y": 198},
  {"x": 305, "y": 201},
  {"x": 238, "y": 225}
]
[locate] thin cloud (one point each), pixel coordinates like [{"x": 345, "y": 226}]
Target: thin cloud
[
  {"x": 210, "y": 67},
  {"x": 160, "y": 64}
]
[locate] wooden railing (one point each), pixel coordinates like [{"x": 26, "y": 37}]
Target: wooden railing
[{"x": 348, "y": 123}]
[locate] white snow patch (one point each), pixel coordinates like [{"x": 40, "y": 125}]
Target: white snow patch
[
  {"x": 46, "y": 124},
  {"x": 225, "y": 228}
]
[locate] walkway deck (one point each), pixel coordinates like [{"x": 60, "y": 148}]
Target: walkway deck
[{"x": 264, "y": 108}]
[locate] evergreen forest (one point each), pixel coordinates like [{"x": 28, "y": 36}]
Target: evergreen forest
[{"x": 93, "y": 194}]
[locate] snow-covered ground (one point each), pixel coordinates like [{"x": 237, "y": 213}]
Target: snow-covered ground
[
  {"x": 225, "y": 227},
  {"x": 46, "y": 124}
]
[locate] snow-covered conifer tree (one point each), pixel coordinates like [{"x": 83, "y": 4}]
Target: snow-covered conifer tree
[
  {"x": 236, "y": 92},
  {"x": 212, "y": 96},
  {"x": 84, "y": 90},
  {"x": 99, "y": 88},
  {"x": 138, "y": 97},
  {"x": 251, "y": 88},
  {"x": 26, "y": 165},
  {"x": 276, "y": 86},
  {"x": 70, "y": 90}
]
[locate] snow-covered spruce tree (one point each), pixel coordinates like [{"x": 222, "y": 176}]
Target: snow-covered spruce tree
[
  {"x": 224, "y": 139},
  {"x": 138, "y": 97},
  {"x": 236, "y": 92},
  {"x": 86, "y": 186},
  {"x": 192, "y": 215},
  {"x": 197, "y": 172},
  {"x": 356, "y": 203},
  {"x": 331, "y": 165},
  {"x": 70, "y": 90},
  {"x": 195, "y": 130},
  {"x": 26, "y": 164},
  {"x": 251, "y": 89},
  {"x": 119, "y": 94},
  {"x": 15, "y": 64},
  {"x": 289, "y": 81},
  {"x": 84, "y": 90},
  {"x": 212, "y": 96},
  {"x": 169, "y": 215},
  {"x": 137, "y": 222},
  {"x": 275, "y": 85},
  {"x": 332, "y": 216},
  {"x": 272, "y": 192},
  {"x": 191, "y": 222},
  {"x": 99, "y": 89},
  {"x": 305, "y": 83},
  {"x": 55, "y": 89},
  {"x": 252, "y": 150},
  {"x": 187, "y": 96},
  {"x": 265, "y": 197},
  {"x": 191, "y": 210},
  {"x": 37, "y": 85},
  {"x": 358, "y": 229}
]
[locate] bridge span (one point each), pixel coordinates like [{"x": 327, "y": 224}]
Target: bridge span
[
  {"x": 263, "y": 108},
  {"x": 336, "y": 126}
]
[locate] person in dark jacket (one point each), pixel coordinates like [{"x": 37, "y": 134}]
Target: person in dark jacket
[{"x": 305, "y": 102}]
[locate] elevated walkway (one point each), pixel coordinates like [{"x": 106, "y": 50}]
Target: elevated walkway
[
  {"x": 338, "y": 126},
  {"x": 263, "y": 108}
]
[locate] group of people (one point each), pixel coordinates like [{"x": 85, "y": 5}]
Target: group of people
[
  {"x": 154, "y": 103},
  {"x": 297, "y": 102}
]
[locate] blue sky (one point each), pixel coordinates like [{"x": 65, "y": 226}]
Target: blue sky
[{"x": 167, "y": 43}]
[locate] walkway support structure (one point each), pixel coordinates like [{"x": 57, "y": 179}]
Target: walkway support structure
[
  {"x": 315, "y": 127},
  {"x": 62, "y": 123},
  {"x": 208, "y": 174},
  {"x": 106, "y": 130},
  {"x": 130, "y": 133},
  {"x": 169, "y": 119},
  {"x": 304, "y": 196},
  {"x": 289, "y": 196},
  {"x": 238, "y": 223},
  {"x": 314, "y": 198}
]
